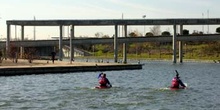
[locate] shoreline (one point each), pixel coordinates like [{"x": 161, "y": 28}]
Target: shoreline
[
  {"x": 155, "y": 59},
  {"x": 39, "y": 63},
  {"x": 187, "y": 60},
  {"x": 23, "y": 67},
  {"x": 8, "y": 68}
]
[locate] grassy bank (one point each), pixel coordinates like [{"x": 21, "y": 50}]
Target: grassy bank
[{"x": 191, "y": 51}]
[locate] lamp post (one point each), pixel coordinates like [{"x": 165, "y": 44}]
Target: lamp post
[
  {"x": 208, "y": 23},
  {"x": 203, "y": 25},
  {"x": 93, "y": 48},
  {"x": 34, "y": 30},
  {"x": 144, "y": 16},
  {"x": 1, "y": 18}
]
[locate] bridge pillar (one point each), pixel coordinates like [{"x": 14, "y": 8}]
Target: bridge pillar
[
  {"x": 174, "y": 44},
  {"x": 61, "y": 43},
  {"x": 71, "y": 44},
  {"x": 8, "y": 40},
  {"x": 116, "y": 44},
  {"x": 125, "y": 46},
  {"x": 181, "y": 46},
  {"x": 22, "y": 39}
]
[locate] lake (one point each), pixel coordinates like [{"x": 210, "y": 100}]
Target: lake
[{"x": 144, "y": 89}]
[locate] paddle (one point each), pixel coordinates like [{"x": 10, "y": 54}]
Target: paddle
[
  {"x": 97, "y": 68},
  {"x": 181, "y": 83},
  {"x": 100, "y": 74},
  {"x": 176, "y": 72}
]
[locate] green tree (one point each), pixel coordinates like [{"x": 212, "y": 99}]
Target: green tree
[
  {"x": 133, "y": 34},
  {"x": 165, "y": 33},
  {"x": 218, "y": 30},
  {"x": 105, "y": 36},
  {"x": 149, "y": 34},
  {"x": 185, "y": 32}
]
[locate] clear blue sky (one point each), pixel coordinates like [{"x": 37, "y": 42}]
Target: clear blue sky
[{"x": 101, "y": 9}]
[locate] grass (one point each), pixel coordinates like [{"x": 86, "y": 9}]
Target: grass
[{"x": 191, "y": 52}]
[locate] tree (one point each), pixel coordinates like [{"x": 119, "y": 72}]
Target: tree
[
  {"x": 195, "y": 32},
  {"x": 134, "y": 34},
  {"x": 105, "y": 36},
  {"x": 165, "y": 33},
  {"x": 13, "y": 53},
  {"x": 218, "y": 30},
  {"x": 98, "y": 34},
  {"x": 30, "y": 53},
  {"x": 201, "y": 33},
  {"x": 149, "y": 34},
  {"x": 155, "y": 30},
  {"x": 185, "y": 32}
]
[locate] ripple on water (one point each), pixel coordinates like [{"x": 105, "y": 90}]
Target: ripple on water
[{"x": 132, "y": 90}]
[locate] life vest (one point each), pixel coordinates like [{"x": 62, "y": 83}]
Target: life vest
[
  {"x": 175, "y": 83},
  {"x": 102, "y": 81}
]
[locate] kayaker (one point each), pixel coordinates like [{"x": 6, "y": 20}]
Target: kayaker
[
  {"x": 176, "y": 82},
  {"x": 103, "y": 81},
  {"x": 53, "y": 54}
]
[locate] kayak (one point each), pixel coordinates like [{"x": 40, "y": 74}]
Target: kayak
[
  {"x": 177, "y": 88},
  {"x": 102, "y": 87}
]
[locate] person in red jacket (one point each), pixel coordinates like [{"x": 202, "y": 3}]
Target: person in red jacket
[
  {"x": 176, "y": 82},
  {"x": 103, "y": 81}
]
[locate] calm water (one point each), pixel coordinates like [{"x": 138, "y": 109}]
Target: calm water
[{"x": 144, "y": 89}]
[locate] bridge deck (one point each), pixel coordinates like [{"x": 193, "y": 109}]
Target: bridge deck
[
  {"x": 177, "y": 21},
  {"x": 36, "y": 43}
]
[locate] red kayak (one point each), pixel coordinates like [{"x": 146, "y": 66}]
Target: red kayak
[
  {"x": 102, "y": 87},
  {"x": 177, "y": 88}
]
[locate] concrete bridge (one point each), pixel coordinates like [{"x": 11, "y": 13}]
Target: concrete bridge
[
  {"x": 115, "y": 40},
  {"x": 78, "y": 41}
]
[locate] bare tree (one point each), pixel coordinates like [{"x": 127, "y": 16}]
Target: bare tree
[
  {"x": 98, "y": 34},
  {"x": 134, "y": 34},
  {"x": 30, "y": 54},
  {"x": 155, "y": 30},
  {"x": 13, "y": 53}
]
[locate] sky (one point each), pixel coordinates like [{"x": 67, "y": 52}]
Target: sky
[{"x": 102, "y": 9}]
